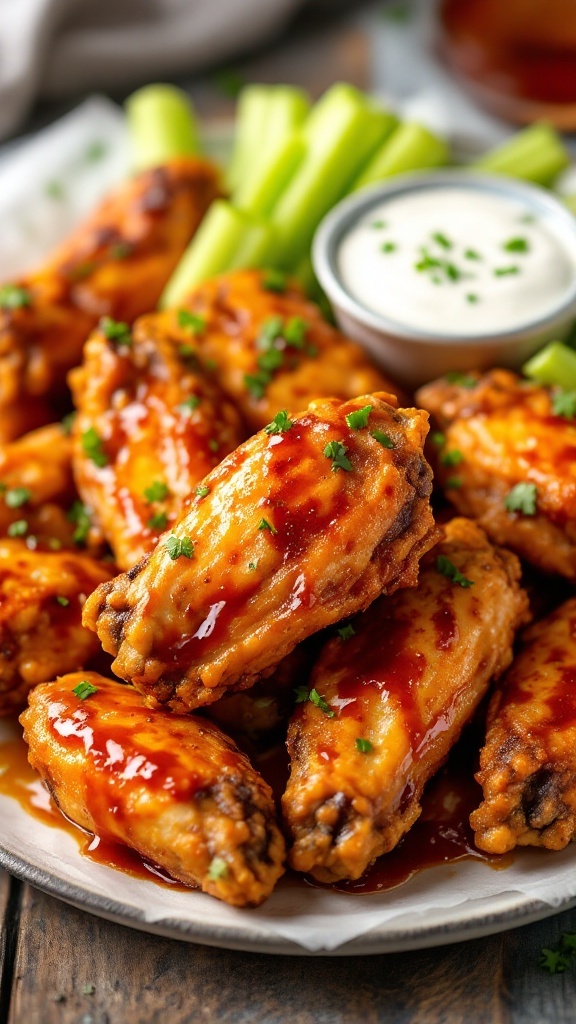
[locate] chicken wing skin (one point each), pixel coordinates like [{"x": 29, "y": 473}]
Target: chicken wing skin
[
  {"x": 115, "y": 264},
  {"x": 528, "y": 764},
  {"x": 389, "y": 702},
  {"x": 41, "y": 631},
  {"x": 500, "y": 432},
  {"x": 300, "y": 527},
  {"x": 273, "y": 350},
  {"x": 162, "y": 423},
  {"x": 174, "y": 788}
]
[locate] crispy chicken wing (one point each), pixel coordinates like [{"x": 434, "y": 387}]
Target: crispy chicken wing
[
  {"x": 387, "y": 703},
  {"x": 41, "y": 631},
  {"x": 300, "y": 527},
  {"x": 528, "y": 765},
  {"x": 174, "y": 788},
  {"x": 273, "y": 350},
  {"x": 500, "y": 435},
  {"x": 115, "y": 264},
  {"x": 158, "y": 425}
]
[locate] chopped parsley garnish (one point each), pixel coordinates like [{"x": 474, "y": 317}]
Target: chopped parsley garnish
[
  {"x": 192, "y": 322},
  {"x": 471, "y": 298},
  {"x": 506, "y": 271},
  {"x": 14, "y": 297},
  {"x": 179, "y": 546},
  {"x": 364, "y": 746},
  {"x": 271, "y": 360},
  {"x": 302, "y": 695},
  {"x": 18, "y": 528},
  {"x": 96, "y": 151},
  {"x": 441, "y": 240},
  {"x": 274, "y": 281},
  {"x": 189, "y": 404},
  {"x": 80, "y": 516},
  {"x": 67, "y": 422},
  {"x": 256, "y": 384},
  {"x": 471, "y": 254},
  {"x": 218, "y": 869},
  {"x": 336, "y": 451},
  {"x": 17, "y": 496},
  {"x": 345, "y": 632},
  {"x": 84, "y": 689},
  {"x": 270, "y": 330},
  {"x": 158, "y": 491},
  {"x": 359, "y": 418},
  {"x": 556, "y": 961},
  {"x": 54, "y": 190},
  {"x": 461, "y": 380},
  {"x": 448, "y": 569},
  {"x": 280, "y": 424},
  {"x": 121, "y": 250},
  {"x": 202, "y": 492},
  {"x": 64, "y": 601},
  {"x": 265, "y": 525},
  {"x": 159, "y": 521},
  {"x": 189, "y": 353},
  {"x": 252, "y": 566},
  {"x": 439, "y": 267},
  {"x": 116, "y": 331},
  {"x": 438, "y": 439},
  {"x": 388, "y": 247},
  {"x": 564, "y": 404},
  {"x": 522, "y": 498},
  {"x": 452, "y": 458},
  {"x": 378, "y": 224},
  {"x": 383, "y": 439},
  {"x": 294, "y": 332},
  {"x": 213, "y": 444},
  {"x": 92, "y": 448},
  {"x": 274, "y": 338},
  {"x": 453, "y": 483},
  {"x": 54, "y": 544},
  {"x": 516, "y": 245}
]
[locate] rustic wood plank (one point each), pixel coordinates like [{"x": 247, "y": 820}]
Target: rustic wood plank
[
  {"x": 9, "y": 916},
  {"x": 72, "y": 968}
]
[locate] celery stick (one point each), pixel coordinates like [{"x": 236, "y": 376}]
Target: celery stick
[
  {"x": 162, "y": 125},
  {"x": 555, "y": 364},
  {"x": 224, "y": 239},
  {"x": 289, "y": 107},
  {"x": 570, "y": 202},
  {"x": 411, "y": 147},
  {"x": 535, "y": 154},
  {"x": 262, "y": 189},
  {"x": 340, "y": 133},
  {"x": 251, "y": 120}
]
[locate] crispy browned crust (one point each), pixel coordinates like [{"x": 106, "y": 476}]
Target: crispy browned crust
[
  {"x": 175, "y": 789},
  {"x": 407, "y": 682},
  {"x": 528, "y": 764},
  {"x": 283, "y": 546}
]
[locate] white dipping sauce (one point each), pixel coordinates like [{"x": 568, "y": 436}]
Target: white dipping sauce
[{"x": 455, "y": 261}]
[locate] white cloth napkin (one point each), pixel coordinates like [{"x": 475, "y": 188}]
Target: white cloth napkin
[{"x": 57, "y": 47}]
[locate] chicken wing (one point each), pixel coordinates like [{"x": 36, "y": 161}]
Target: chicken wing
[
  {"x": 509, "y": 462},
  {"x": 41, "y": 631},
  {"x": 174, "y": 788},
  {"x": 115, "y": 264},
  {"x": 387, "y": 702},
  {"x": 157, "y": 425},
  {"x": 528, "y": 765},
  {"x": 273, "y": 349},
  {"x": 301, "y": 525}
]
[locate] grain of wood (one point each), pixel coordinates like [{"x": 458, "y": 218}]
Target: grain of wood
[{"x": 9, "y": 920}]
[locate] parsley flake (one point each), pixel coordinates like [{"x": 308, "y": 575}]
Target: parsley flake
[
  {"x": 336, "y": 451},
  {"x": 252, "y": 566},
  {"x": 441, "y": 240},
  {"x": 453, "y": 483},
  {"x": 92, "y": 448},
  {"x": 564, "y": 404},
  {"x": 84, "y": 689},
  {"x": 471, "y": 254},
  {"x": 256, "y": 384},
  {"x": 202, "y": 492},
  {"x": 303, "y": 695},
  {"x": 64, "y": 601},
  {"x": 158, "y": 491},
  {"x": 364, "y": 746},
  {"x": 438, "y": 439},
  {"x": 387, "y": 247},
  {"x": 448, "y": 569},
  {"x": 265, "y": 525},
  {"x": 280, "y": 424},
  {"x": 274, "y": 281},
  {"x": 461, "y": 380},
  {"x": 383, "y": 439},
  {"x": 67, "y": 422},
  {"x": 452, "y": 458},
  {"x": 553, "y": 961},
  {"x": 471, "y": 298},
  {"x": 80, "y": 516},
  {"x": 193, "y": 322},
  {"x": 516, "y": 245},
  {"x": 116, "y": 331},
  {"x": 18, "y": 528},
  {"x": 17, "y": 496},
  {"x": 506, "y": 271},
  {"x": 159, "y": 521},
  {"x": 218, "y": 869},
  {"x": 189, "y": 404},
  {"x": 14, "y": 297},
  {"x": 359, "y": 418},
  {"x": 378, "y": 224},
  {"x": 179, "y": 546},
  {"x": 346, "y": 632},
  {"x": 294, "y": 332},
  {"x": 213, "y": 444},
  {"x": 522, "y": 498}
]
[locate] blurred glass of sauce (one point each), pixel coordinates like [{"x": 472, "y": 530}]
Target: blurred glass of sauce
[{"x": 518, "y": 56}]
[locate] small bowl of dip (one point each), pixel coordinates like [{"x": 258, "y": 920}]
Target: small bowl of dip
[{"x": 449, "y": 270}]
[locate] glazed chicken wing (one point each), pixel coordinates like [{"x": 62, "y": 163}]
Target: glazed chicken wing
[
  {"x": 273, "y": 349},
  {"x": 387, "y": 703},
  {"x": 528, "y": 765},
  {"x": 510, "y": 463},
  {"x": 174, "y": 788},
  {"x": 116, "y": 264},
  {"x": 157, "y": 425},
  {"x": 300, "y": 526},
  {"x": 41, "y": 631}
]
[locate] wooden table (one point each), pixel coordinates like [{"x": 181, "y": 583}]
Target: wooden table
[{"x": 60, "y": 966}]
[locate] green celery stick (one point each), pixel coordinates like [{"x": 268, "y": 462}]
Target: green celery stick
[
  {"x": 555, "y": 364},
  {"x": 162, "y": 125},
  {"x": 535, "y": 154},
  {"x": 224, "y": 239},
  {"x": 288, "y": 109},
  {"x": 341, "y": 132},
  {"x": 269, "y": 178},
  {"x": 411, "y": 147},
  {"x": 570, "y": 202},
  {"x": 251, "y": 120}
]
